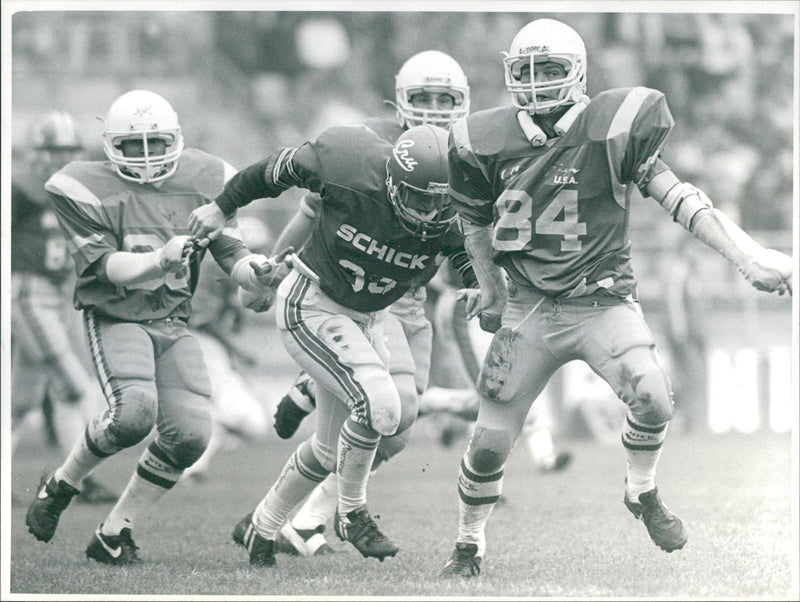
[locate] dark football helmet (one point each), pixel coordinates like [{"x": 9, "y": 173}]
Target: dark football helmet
[{"x": 416, "y": 180}]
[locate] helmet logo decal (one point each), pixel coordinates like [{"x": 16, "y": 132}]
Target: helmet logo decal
[
  {"x": 539, "y": 49},
  {"x": 143, "y": 111},
  {"x": 402, "y": 156}
]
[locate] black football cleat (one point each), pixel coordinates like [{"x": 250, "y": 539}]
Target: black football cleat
[
  {"x": 260, "y": 549},
  {"x": 51, "y": 500},
  {"x": 359, "y": 529},
  {"x": 463, "y": 563},
  {"x": 665, "y": 529},
  {"x": 113, "y": 549}
]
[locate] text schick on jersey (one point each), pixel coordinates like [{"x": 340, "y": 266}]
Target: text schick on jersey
[{"x": 367, "y": 244}]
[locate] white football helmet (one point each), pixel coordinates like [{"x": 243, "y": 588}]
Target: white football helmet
[
  {"x": 539, "y": 41},
  {"x": 143, "y": 115},
  {"x": 435, "y": 72}
]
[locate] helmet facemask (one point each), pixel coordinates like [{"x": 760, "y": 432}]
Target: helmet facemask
[
  {"x": 423, "y": 213},
  {"x": 412, "y": 115},
  {"x": 149, "y": 167},
  {"x": 545, "y": 41}
]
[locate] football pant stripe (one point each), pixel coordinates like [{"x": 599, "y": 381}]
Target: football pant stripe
[
  {"x": 312, "y": 345},
  {"x": 108, "y": 383}
]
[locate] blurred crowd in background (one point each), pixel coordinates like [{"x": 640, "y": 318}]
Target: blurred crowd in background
[{"x": 246, "y": 83}]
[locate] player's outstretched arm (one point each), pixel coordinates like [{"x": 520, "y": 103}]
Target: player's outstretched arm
[
  {"x": 491, "y": 279},
  {"x": 126, "y": 269},
  {"x": 765, "y": 269}
]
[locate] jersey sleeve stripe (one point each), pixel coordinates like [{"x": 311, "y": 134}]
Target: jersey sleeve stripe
[
  {"x": 284, "y": 162},
  {"x": 228, "y": 171},
  {"x": 618, "y": 135},
  {"x": 69, "y": 187}
]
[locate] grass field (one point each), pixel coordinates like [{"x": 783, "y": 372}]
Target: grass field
[{"x": 558, "y": 535}]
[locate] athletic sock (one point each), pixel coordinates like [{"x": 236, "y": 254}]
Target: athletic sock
[
  {"x": 642, "y": 448},
  {"x": 154, "y": 476},
  {"x": 478, "y": 493},
  {"x": 300, "y": 475},
  {"x": 357, "y": 448},
  {"x": 79, "y": 463}
]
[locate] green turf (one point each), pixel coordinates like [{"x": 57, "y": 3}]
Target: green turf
[{"x": 560, "y": 535}]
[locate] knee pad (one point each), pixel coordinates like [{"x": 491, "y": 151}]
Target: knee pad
[
  {"x": 186, "y": 445},
  {"x": 652, "y": 403},
  {"x": 132, "y": 419},
  {"x": 489, "y": 449},
  {"x": 325, "y": 454},
  {"x": 391, "y": 446},
  {"x": 385, "y": 407}
]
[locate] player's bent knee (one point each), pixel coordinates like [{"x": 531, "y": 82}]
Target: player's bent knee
[
  {"x": 132, "y": 419},
  {"x": 385, "y": 407},
  {"x": 489, "y": 449},
  {"x": 653, "y": 402}
]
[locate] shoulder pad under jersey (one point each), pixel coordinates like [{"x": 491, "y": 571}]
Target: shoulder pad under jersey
[
  {"x": 618, "y": 110},
  {"x": 98, "y": 177},
  {"x": 198, "y": 171},
  {"x": 388, "y": 129},
  {"x": 352, "y": 157},
  {"x": 491, "y": 132}
]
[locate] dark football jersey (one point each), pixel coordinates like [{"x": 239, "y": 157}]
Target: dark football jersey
[
  {"x": 560, "y": 211},
  {"x": 364, "y": 258},
  {"x": 101, "y": 213},
  {"x": 37, "y": 244}
]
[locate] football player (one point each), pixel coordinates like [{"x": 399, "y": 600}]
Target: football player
[
  {"x": 137, "y": 267},
  {"x": 381, "y": 232},
  {"x": 48, "y": 362},
  {"x": 543, "y": 190},
  {"x": 431, "y": 88}
]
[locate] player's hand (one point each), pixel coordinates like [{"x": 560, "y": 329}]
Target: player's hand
[
  {"x": 490, "y": 321},
  {"x": 270, "y": 273},
  {"x": 258, "y": 301},
  {"x": 207, "y": 221},
  {"x": 770, "y": 271},
  {"x": 472, "y": 300},
  {"x": 173, "y": 255}
]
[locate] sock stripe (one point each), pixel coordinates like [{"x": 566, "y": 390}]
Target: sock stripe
[
  {"x": 477, "y": 501},
  {"x": 154, "y": 478},
  {"x": 646, "y": 429},
  {"x": 480, "y": 478},
  {"x": 93, "y": 448},
  {"x": 357, "y": 440},
  {"x": 154, "y": 449},
  {"x": 306, "y": 471},
  {"x": 640, "y": 446}
]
